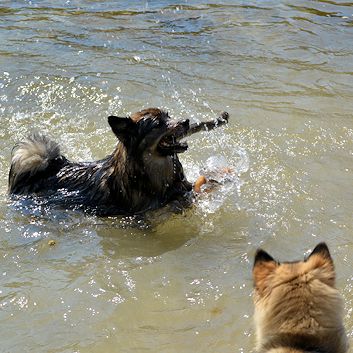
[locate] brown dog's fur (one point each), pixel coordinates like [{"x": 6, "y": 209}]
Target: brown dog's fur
[
  {"x": 297, "y": 307},
  {"x": 143, "y": 172}
]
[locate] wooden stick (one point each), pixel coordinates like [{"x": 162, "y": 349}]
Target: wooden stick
[{"x": 208, "y": 125}]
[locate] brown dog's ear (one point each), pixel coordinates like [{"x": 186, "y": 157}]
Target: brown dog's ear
[
  {"x": 123, "y": 128},
  {"x": 322, "y": 250},
  {"x": 263, "y": 256},
  {"x": 264, "y": 265},
  {"x": 321, "y": 259}
]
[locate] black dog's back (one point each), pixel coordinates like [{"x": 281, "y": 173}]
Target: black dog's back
[{"x": 39, "y": 168}]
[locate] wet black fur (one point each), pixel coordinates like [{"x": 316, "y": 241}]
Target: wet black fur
[{"x": 118, "y": 184}]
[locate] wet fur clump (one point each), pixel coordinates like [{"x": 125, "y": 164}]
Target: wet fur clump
[
  {"x": 143, "y": 172},
  {"x": 297, "y": 307}
]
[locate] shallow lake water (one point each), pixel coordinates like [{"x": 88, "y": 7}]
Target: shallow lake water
[{"x": 177, "y": 283}]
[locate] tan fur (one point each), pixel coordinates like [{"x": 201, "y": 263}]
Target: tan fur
[
  {"x": 297, "y": 307},
  {"x": 201, "y": 180}
]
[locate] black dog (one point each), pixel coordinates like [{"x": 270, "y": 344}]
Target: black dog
[{"x": 143, "y": 173}]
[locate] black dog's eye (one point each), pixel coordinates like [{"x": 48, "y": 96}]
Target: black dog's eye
[
  {"x": 148, "y": 124},
  {"x": 157, "y": 123}
]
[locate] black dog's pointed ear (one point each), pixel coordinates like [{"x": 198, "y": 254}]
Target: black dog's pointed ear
[
  {"x": 123, "y": 128},
  {"x": 322, "y": 250}
]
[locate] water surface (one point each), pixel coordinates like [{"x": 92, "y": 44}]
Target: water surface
[{"x": 181, "y": 283}]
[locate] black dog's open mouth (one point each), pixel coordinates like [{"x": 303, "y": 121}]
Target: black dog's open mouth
[
  {"x": 170, "y": 142},
  {"x": 170, "y": 145}
]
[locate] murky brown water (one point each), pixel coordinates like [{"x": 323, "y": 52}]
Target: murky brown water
[{"x": 283, "y": 70}]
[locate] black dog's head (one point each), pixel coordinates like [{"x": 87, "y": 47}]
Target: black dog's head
[
  {"x": 150, "y": 130},
  {"x": 149, "y": 145}
]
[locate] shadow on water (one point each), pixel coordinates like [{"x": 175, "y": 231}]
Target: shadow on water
[
  {"x": 154, "y": 240},
  {"x": 30, "y": 222},
  {"x": 119, "y": 237}
]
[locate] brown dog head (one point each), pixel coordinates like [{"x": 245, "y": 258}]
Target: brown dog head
[
  {"x": 269, "y": 273},
  {"x": 297, "y": 304}
]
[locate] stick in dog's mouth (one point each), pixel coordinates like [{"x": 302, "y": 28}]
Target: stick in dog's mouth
[
  {"x": 170, "y": 141},
  {"x": 209, "y": 125}
]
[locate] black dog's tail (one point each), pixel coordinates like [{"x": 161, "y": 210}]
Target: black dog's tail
[{"x": 32, "y": 159}]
